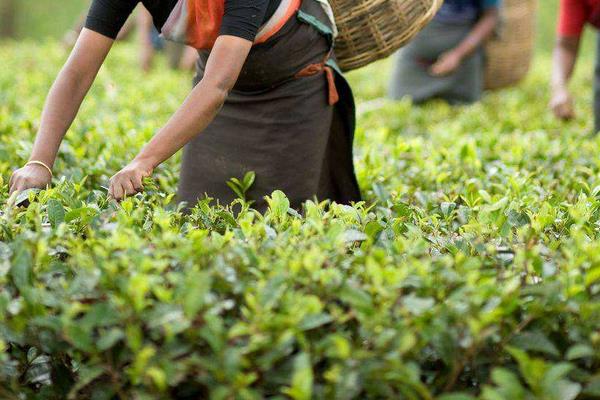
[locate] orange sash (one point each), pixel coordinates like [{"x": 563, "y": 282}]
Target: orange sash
[{"x": 197, "y": 22}]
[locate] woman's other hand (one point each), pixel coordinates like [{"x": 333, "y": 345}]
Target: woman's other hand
[
  {"x": 561, "y": 104},
  {"x": 446, "y": 64},
  {"x": 30, "y": 176},
  {"x": 449, "y": 62},
  {"x": 565, "y": 55},
  {"x": 128, "y": 181}
]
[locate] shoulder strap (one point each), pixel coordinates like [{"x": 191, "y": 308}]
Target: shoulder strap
[{"x": 286, "y": 9}]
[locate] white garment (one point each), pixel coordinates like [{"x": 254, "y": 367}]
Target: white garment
[{"x": 329, "y": 11}]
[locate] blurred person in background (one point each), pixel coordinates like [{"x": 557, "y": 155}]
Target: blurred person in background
[
  {"x": 178, "y": 55},
  {"x": 268, "y": 97},
  {"x": 573, "y": 16},
  {"x": 446, "y": 59},
  {"x": 8, "y": 14},
  {"x": 70, "y": 38}
]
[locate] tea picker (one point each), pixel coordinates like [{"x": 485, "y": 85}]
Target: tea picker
[
  {"x": 573, "y": 16},
  {"x": 268, "y": 97},
  {"x": 446, "y": 59}
]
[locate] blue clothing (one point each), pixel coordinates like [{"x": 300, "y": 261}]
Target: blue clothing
[
  {"x": 464, "y": 12},
  {"x": 157, "y": 41}
]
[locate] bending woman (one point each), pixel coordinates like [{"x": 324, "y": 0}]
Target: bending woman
[
  {"x": 268, "y": 98},
  {"x": 446, "y": 58},
  {"x": 573, "y": 16}
]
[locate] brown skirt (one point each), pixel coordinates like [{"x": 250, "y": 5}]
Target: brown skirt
[{"x": 280, "y": 127}]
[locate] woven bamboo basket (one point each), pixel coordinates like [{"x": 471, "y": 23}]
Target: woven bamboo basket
[
  {"x": 509, "y": 55},
  {"x": 370, "y": 30}
]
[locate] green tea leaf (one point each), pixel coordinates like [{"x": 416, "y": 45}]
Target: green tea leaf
[
  {"x": 56, "y": 212},
  {"x": 302, "y": 378}
]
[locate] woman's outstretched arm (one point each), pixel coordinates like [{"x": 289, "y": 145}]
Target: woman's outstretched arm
[
  {"x": 62, "y": 104},
  {"x": 483, "y": 29},
  {"x": 563, "y": 65},
  {"x": 202, "y": 105}
]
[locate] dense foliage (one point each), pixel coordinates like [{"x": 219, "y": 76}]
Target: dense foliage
[{"x": 471, "y": 271}]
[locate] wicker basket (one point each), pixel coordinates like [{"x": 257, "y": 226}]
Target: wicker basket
[
  {"x": 370, "y": 30},
  {"x": 509, "y": 55}
]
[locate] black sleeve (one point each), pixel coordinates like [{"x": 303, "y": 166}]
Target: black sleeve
[
  {"x": 107, "y": 17},
  {"x": 243, "y": 18}
]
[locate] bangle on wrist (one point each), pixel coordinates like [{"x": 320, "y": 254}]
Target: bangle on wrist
[{"x": 36, "y": 162}]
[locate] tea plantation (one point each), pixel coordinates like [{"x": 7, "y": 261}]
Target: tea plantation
[{"x": 471, "y": 271}]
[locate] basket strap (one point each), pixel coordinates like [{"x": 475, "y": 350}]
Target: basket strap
[
  {"x": 315, "y": 23},
  {"x": 330, "y": 15},
  {"x": 332, "y": 63},
  {"x": 328, "y": 66}
]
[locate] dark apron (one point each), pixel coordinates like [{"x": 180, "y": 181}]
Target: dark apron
[{"x": 279, "y": 121}]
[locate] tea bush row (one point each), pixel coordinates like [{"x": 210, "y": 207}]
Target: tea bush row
[{"x": 472, "y": 269}]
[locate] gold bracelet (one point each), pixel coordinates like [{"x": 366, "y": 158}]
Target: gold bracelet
[{"x": 35, "y": 162}]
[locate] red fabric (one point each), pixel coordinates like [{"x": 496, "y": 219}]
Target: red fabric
[
  {"x": 574, "y": 14},
  {"x": 204, "y": 22},
  {"x": 313, "y": 69},
  {"x": 334, "y": 96}
]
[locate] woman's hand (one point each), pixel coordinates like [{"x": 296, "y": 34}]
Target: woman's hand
[
  {"x": 226, "y": 60},
  {"x": 31, "y": 176},
  {"x": 483, "y": 29},
  {"x": 128, "y": 181},
  {"x": 446, "y": 64},
  {"x": 561, "y": 104}
]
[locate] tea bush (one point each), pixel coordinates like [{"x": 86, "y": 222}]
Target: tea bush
[{"x": 472, "y": 269}]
